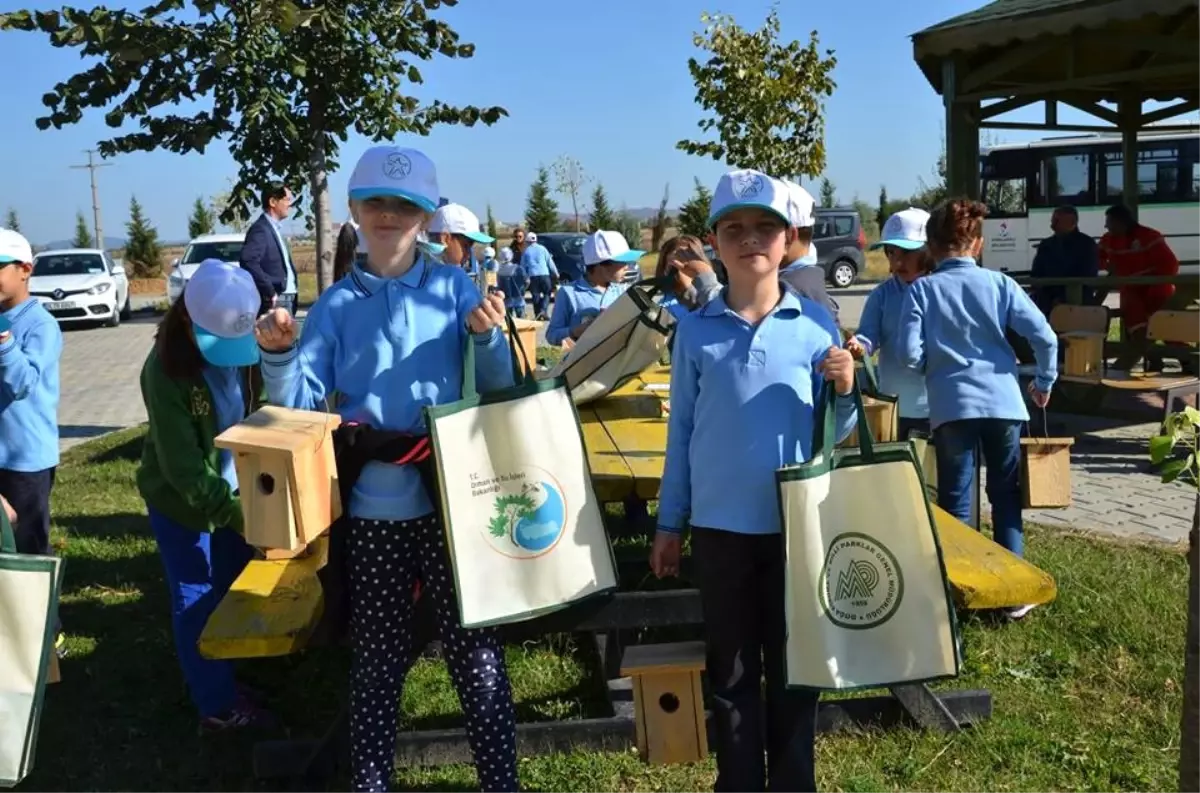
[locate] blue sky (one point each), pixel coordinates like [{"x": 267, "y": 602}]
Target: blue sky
[{"x": 606, "y": 83}]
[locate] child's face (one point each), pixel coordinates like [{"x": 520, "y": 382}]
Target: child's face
[
  {"x": 458, "y": 248},
  {"x": 14, "y": 282},
  {"x": 905, "y": 265},
  {"x": 388, "y": 224},
  {"x": 752, "y": 241}
]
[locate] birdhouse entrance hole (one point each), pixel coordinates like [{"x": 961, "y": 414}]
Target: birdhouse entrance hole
[
  {"x": 266, "y": 484},
  {"x": 669, "y": 702}
]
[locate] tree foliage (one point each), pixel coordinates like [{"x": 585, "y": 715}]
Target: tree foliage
[
  {"x": 828, "y": 193},
  {"x": 11, "y": 221},
  {"x": 492, "y": 231},
  {"x": 569, "y": 181},
  {"x": 202, "y": 220},
  {"x": 930, "y": 194},
  {"x": 83, "y": 234},
  {"x": 662, "y": 220},
  {"x": 541, "y": 210},
  {"x": 693, "y": 215},
  {"x": 602, "y": 216},
  {"x": 142, "y": 247},
  {"x": 281, "y": 82},
  {"x": 629, "y": 227},
  {"x": 765, "y": 99}
]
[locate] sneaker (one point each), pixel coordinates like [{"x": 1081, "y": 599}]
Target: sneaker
[
  {"x": 60, "y": 645},
  {"x": 1019, "y": 612},
  {"x": 243, "y": 714}
]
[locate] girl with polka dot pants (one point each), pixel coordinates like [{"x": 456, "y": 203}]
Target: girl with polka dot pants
[{"x": 389, "y": 338}]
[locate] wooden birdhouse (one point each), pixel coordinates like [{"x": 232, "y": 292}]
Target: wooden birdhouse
[
  {"x": 287, "y": 477},
  {"x": 667, "y": 701},
  {"x": 527, "y": 331},
  {"x": 1084, "y": 355},
  {"x": 1046, "y": 472},
  {"x": 881, "y": 418}
]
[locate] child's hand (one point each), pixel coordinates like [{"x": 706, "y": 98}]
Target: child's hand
[
  {"x": 275, "y": 330},
  {"x": 579, "y": 329},
  {"x": 8, "y": 510},
  {"x": 1040, "y": 398},
  {"x": 855, "y": 347},
  {"x": 838, "y": 368},
  {"x": 664, "y": 554},
  {"x": 488, "y": 314}
]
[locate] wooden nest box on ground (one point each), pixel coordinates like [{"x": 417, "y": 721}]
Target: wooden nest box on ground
[
  {"x": 287, "y": 477},
  {"x": 667, "y": 700}
]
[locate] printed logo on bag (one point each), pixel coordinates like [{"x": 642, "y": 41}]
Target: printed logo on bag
[
  {"x": 528, "y": 512},
  {"x": 861, "y": 585}
]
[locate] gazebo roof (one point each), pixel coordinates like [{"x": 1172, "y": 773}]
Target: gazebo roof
[{"x": 1086, "y": 49}]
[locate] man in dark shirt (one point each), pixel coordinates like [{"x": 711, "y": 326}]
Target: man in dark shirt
[{"x": 1069, "y": 253}]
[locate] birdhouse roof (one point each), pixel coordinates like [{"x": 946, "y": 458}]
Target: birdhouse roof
[{"x": 277, "y": 429}]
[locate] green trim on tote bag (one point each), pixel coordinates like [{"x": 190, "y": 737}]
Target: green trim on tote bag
[{"x": 526, "y": 385}]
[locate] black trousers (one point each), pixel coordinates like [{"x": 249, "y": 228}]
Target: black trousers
[
  {"x": 29, "y": 495},
  {"x": 540, "y": 289},
  {"x": 740, "y": 577}
]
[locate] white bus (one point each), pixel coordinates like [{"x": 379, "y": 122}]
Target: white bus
[{"x": 1023, "y": 183}]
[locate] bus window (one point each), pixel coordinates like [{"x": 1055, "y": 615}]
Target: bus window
[
  {"x": 1165, "y": 173},
  {"x": 1004, "y": 181},
  {"x": 1065, "y": 178}
]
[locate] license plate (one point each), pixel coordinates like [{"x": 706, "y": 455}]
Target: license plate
[{"x": 64, "y": 306}]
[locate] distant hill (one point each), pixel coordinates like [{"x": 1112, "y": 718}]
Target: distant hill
[{"x": 110, "y": 244}]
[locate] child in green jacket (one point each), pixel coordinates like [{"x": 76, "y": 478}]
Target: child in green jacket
[{"x": 196, "y": 385}]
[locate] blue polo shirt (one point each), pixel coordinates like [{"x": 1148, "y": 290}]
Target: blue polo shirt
[
  {"x": 951, "y": 327},
  {"x": 742, "y": 406},
  {"x": 389, "y": 348},
  {"x": 576, "y": 302},
  {"x": 877, "y": 331},
  {"x": 536, "y": 260},
  {"x": 29, "y": 389}
]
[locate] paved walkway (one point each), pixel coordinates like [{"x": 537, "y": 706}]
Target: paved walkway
[{"x": 99, "y": 374}]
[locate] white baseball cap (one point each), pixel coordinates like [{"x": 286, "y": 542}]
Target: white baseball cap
[
  {"x": 608, "y": 246},
  {"x": 14, "y": 248},
  {"x": 530, "y": 237},
  {"x": 747, "y": 188},
  {"x": 905, "y": 229},
  {"x": 802, "y": 205},
  {"x": 506, "y": 255},
  {"x": 489, "y": 252},
  {"x": 457, "y": 219},
  {"x": 223, "y": 302},
  {"x": 395, "y": 171}
]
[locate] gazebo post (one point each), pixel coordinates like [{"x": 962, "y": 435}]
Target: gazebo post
[
  {"x": 1129, "y": 121},
  {"x": 962, "y": 134}
]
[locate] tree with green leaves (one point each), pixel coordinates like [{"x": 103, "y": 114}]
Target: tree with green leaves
[
  {"x": 693, "y": 216},
  {"x": 602, "y": 216},
  {"x": 541, "y": 210},
  {"x": 569, "y": 181},
  {"x": 662, "y": 220},
  {"x": 83, "y": 234},
  {"x": 866, "y": 216},
  {"x": 11, "y": 221},
  {"x": 629, "y": 227},
  {"x": 930, "y": 194},
  {"x": 491, "y": 224},
  {"x": 281, "y": 82},
  {"x": 142, "y": 247},
  {"x": 882, "y": 214},
  {"x": 765, "y": 99},
  {"x": 202, "y": 220},
  {"x": 828, "y": 193}
]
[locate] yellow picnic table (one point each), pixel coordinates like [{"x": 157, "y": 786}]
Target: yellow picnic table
[{"x": 274, "y": 605}]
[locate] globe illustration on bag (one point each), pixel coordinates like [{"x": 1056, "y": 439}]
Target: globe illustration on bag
[{"x": 529, "y": 519}]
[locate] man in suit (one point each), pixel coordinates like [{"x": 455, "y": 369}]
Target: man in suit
[{"x": 266, "y": 255}]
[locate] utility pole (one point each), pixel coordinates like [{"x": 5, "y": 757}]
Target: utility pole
[{"x": 91, "y": 167}]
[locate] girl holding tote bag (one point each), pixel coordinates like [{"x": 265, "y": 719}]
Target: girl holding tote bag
[{"x": 389, "y": 338}]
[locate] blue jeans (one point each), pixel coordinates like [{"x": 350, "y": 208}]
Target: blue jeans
[
  {"x": 200, "y": 567},
  {"x": 1000, "y": 439}
]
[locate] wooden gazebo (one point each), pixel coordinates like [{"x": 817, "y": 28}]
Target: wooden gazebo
[{"x": 1078, "y": 53}]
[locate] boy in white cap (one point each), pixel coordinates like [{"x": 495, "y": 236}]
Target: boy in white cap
[
  {"x": 542, "y": 271},
  {"x": 903, "y": 240},
  {"x": 512, "y": 281},
  {"x": 30, "y": 348},
  {"x": 801, "y": 270},
  {"x": 606, "y": 255},
  {"x": 389, "y": 339},
  {"x": 748, "y": 371},
  {"x": 457, "y": 229}
]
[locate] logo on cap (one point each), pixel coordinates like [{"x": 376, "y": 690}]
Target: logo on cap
[
  {"x": 893, "y": 226},
  {"x": 243, "y": 323},
  {"x": 747, "y": 185},
  {"x": 397, "y": 166}
]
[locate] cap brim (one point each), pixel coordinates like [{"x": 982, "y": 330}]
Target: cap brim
[
  {"x": 363, "y": 193},
  {"x": 716, "y": 216},
  {"x": 628, "y": 256},
  {"x": 10, "y": 260},
  {"x": 480, "y": 237},
  {"x": 220, "y": 351},
  {"x": 908, "y": 245}
]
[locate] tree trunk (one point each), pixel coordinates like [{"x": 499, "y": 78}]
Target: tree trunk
[
  {"x": 318, "y": 179},
  {"x": 575, "y": 207},
  {"x": 1189, "y": 722}
]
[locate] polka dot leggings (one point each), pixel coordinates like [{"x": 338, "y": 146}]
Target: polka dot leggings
[{"x": 384, "y": 561}]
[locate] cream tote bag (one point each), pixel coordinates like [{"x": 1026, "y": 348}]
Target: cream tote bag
[
  {"x": 868, "y": 603},
  {"x": 29, "y": 587},
  {"x": 625, "y": 338},
  {"x": 523, "y": 525}
]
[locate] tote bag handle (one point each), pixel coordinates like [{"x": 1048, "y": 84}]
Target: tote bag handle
[
  {"x": 825, "y": 427},
  {"x": 469, "y": 386},
  {"x": 8, "y": 540}
]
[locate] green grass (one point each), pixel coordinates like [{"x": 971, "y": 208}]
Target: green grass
[{"x": 1086, "y": 691}]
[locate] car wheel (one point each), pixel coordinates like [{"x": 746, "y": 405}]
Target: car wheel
[
  {"x": 842, "y": 273},
  {"x": 127, "y": 310}
]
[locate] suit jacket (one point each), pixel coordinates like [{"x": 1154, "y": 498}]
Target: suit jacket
[{"x": 263, "y": 257}]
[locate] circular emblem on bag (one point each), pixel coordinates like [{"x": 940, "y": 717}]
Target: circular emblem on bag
[
  {"x": 527, "y": 512},
  {"x": 861, "y": 585}
]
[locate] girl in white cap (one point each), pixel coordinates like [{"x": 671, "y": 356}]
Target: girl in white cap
[
  {"x": 196, "y": 383},
  {"x": 903, "y": 240},
  {"x": 389, "y": 339}
]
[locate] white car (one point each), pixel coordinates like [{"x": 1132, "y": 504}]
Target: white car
[
  {"x": 226, "y": 247},
  {"x": 81, "y": 285}
]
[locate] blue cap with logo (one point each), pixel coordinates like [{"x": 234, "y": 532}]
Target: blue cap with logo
[
  {"x": 398, "y": 172},
  {"x": 223, "y": 301},
  {"x": 745, "y": 189}
]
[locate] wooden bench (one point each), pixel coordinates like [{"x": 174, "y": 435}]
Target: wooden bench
[{"x": 1078, "y": 324}]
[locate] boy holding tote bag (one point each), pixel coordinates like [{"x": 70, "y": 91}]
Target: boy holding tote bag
[{"x": 747, "y": 371}]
